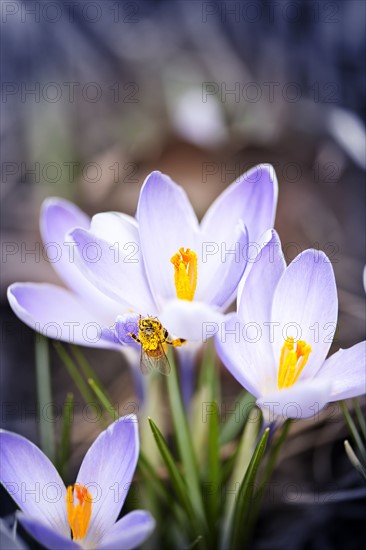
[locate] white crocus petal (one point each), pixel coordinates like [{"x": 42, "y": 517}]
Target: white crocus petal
[
  {"x": 33, "y": 481},
  {"x": 255, "y": 305},
  {"x": 59, "y": 217},
  {"x": 346, "y": 372},
  {"x": 107, "y": 471},
  {"x": 46, "y": 535},
  {"x": 167, "y": 222},
  {"x": 305, "y": 305},
  {"x": 118, "y": 229},
  {"x": 241, "y": 360},
  {"x": 220, "y": 268},
  {"x": 302, "y": 400},
  {"x": 129, "y": 532},
  {"x": 58, "y": 313},
  {"x": 116, "y": 272},
  {"x": 251, "y": 198},
  {"x": 194, "y": 320}
]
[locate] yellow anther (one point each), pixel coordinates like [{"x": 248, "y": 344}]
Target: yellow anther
[
  {"x": 79, "y": 515},
  {"x": 185, "y": 273},
  {"x": 292, "y": 362}
]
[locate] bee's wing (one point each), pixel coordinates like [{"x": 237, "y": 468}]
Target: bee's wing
[
  {"x": 162, "y": 362},
  {"x": 146, "y": 363}
]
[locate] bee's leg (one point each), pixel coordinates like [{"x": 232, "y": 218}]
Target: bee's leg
[
  {"x": 134, "y": 337},
  {"x": 177, "y": 342}
]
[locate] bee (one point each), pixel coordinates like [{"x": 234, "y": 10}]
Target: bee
[{"x": 154, "y": 338}]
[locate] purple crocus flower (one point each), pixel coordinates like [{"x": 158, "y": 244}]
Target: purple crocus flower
[
  {"x": 277, "y": 342},
  {"x": 163, "y": 263},
  {"x": 83, "y": 515}
]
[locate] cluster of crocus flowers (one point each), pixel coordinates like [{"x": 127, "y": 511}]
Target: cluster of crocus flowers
[
  {"x": 82, "y": 515},
  {"x": 277, "y": 342},
  {"x": 162, "y": 263}
]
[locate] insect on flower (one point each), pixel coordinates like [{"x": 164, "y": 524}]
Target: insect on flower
[{"x": 153, "y": 338}]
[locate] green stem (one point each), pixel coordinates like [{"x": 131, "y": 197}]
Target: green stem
[
  {"x": 44, "y": 394},
  {"x": 185, "y": 445},
  {"x": 353, "y": 430}
]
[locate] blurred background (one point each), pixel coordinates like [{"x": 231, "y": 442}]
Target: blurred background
[{"x": 96, "y": 94}]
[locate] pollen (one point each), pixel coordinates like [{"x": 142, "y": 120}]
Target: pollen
[
  {"x": 185, "y": 273},
  {"x": 79, "y": 514},
  {"x": 292, "y": 361}
]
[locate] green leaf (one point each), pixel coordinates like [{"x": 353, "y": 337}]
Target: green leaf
[
  {"x": 103, "y": 399},
  {"x": 175, "y": 476},
  {"x": 44, "y": 395},
  {"x": 63, "y": 451},
  {"x": 74, "y": 373},
  {"x": 353, "y": 430},
  {"x": 213, "y": 473},
  {"x": 243, "y": 456},
  {"x": 360, "y": 417},
  {"x": 185, "y": 445},
  {"x": 354, "y": 460},
  {"x": 245, "y": 494},
  {"x": 238, "y": 416},
  {"x": 85, "y": 366}
]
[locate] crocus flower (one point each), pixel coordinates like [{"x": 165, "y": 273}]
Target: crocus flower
[
  {"x": 277, "y": 342},
  {"x": 83, "y": 515},
  {"x": 73, "y": 314},
  {"x": 170, "y": 266}
]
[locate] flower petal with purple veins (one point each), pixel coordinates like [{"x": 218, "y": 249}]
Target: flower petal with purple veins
[
  {"x": 57, "y": 313},
  {"x": 48, "y": 537},
  {"x": 33, "y": 482},
  {"x": 129, "y": 532},
  {"x": 167, "y": 222},
  {"x": 107, "y": 471}
]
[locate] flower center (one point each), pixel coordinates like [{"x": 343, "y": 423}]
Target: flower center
[
  {"x": 79, "y": 515},
  {"x": 292, "y": 362},
  {"x": 185, "y": 273}
]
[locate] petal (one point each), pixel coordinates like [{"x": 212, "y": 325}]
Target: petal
[
  {"x": 221, "y": 267},
  {"x": 255, "y": 301},
  {"x": 346, "y": 371},
  {"x": 47, "y": 536},
  {"x": 57, "y": 313},
  {"x": 58, "y": 218},
  {"x": 302, "y": 400},
  {"x": 166, "y": 223},
  {"x": 116, "y": 271},
  {"x": 107, "y": 470},
  {"x": 252, "y": 198},
  {"x": 240, "y": 360},
  {"x": 306, "y": 307},
  {"x": 190, "y": 320},
  {"x": 115, "y": 227},
  {"x": 33, "y": 481},
  {"x": 123, "y": 327},
  {"x": 129, "y": 532}
]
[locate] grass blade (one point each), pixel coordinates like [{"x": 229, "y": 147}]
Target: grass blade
[
  {"x": 237, "y": 418},
  {"x": 354, "y": 460},
  {"x": 63, "y": 451},
  {"x": 213, "y": 477},
  {"x": 185, "y": 445},
  {"x": 360, "y": 417},
  {"x": 74, "y": 373},
  {"x": 44, "y": 395},
  {"x": 175, "y": 476},
  {"x": 245, "y": 494},
  {"x": 103, "y": 399},
  {"x": 353, "y": 430},
  {"x": 85, "y": 366}
]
